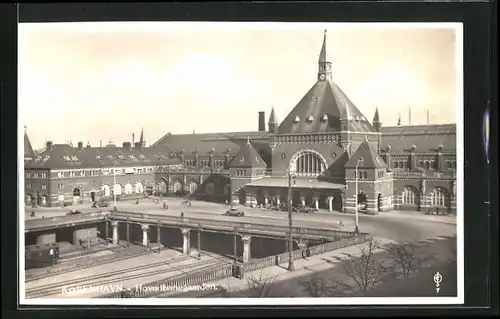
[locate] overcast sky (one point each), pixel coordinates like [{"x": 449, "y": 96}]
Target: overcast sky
[{"x": 105, "y": 81}]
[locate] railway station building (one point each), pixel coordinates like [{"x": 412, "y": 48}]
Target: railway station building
[{"x": 325, "y": 149}]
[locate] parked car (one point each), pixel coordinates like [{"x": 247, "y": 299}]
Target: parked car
[
  {"x": 305, "y": 209},
  {"x": 100, "y": 203},
  {"x": 74, "y": 212},
  {"x": 234, "y": 212}
]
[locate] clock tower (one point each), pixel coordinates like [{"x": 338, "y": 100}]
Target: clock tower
[{"x": 324, "y": 67}]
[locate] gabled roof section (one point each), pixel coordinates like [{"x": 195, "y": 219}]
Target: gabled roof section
[
  {"x": 28, "y": 150},
  {"x": 64, "y": 156},
  {"x": 220, "y": 143},
  {"x": 324, "y": 98},
  {"x": 248, "y": 157},
  {"x": 370, "y": 157}
]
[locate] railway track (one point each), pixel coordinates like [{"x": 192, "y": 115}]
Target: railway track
[
  {"x": 99, "y": 263},
  {"x": 116, "y": 276}
]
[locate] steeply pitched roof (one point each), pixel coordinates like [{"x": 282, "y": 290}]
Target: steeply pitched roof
[
  {"x": 248, "y": 157},
  {"x": 321, "y": 109},
  {"x": 219, "y": 143},
  {"x": 426, "y": 138},
  {"x": 64, "y": 156},
  {"x": 28, "y": 150},
  {"x": 370, "y": 157}
]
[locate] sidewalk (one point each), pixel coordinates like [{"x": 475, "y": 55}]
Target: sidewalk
[{"x": 280, "y": 273}]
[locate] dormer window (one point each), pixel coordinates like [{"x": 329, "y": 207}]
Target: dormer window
[
  {"x": 142, "y": 156},
  {"x": 74, "y": 158},
  {"x": 133, "y": 158},
  {"x": 310, "y": 118},
  {"x": 110, "y": 157},
  {"x": 257, "y": 160},
  {"x": 121, "y": 157},
  {"x": 296, "y": 120},
  {"x": 325, "y": 117},
  {"x": 98, "y": 157},
  {"x": 242, "y": 159}
]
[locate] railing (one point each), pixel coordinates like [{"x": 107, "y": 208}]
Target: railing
[
  {"x": 206, "y": 276},
  {"x": 33, "y": 224},
  {"x": 239, "y": 226}
]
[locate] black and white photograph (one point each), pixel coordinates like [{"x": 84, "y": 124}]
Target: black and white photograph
[{"x": 242, "y": 163}]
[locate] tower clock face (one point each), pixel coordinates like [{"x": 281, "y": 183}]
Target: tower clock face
[{"x": 322, "y": 77}]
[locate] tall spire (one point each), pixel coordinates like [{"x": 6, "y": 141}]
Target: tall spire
[
  {"x": 375, "y": 117},
  {"x": 399, "y": 119},
  {"x": 322, "y": 54},
  {"x": 273, "y": 122},
  {"x": 141, "y": 140},
  {"x": 324, "y": 66}
]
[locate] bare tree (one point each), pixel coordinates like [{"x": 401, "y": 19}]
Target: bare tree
[
  {"x": 317, "y": 285},
  {"x": 363, "y": 271},
  {"x": 408, "y": 258},
  {"x": 261, "y": 286}
]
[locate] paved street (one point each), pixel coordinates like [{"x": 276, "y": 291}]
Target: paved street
[{"x": 408, "y": 226}]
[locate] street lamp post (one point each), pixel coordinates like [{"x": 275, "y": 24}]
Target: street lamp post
[
  {"x": 290, "y": 236},
  {"x": 358, "y": 163},
  {"x": 114, "y": 187}
]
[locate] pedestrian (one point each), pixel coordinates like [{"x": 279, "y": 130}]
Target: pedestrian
[
  {"x": 182, "y": 214},
  {"x": 164, "y": 205}
]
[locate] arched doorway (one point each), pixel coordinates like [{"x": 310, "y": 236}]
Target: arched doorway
[
  {"x": 242, "y": 196},
  {"x": 410, "y": 197},
  {"x": 117, "y": 189},
  {"x": 379, "y": 202},
  {"x": 362, "y": 201},
  {"x": 440, "y": 199},
  {"x": 260, "y": 197},
  {"x": 163, "y": 187},
  {"x": 76, "y": 195},
  {"x": 93, "y": 195},
  {"x": 139, "y": 189},
  {"x": 106, "y": 190},
  {"x": 128, "y": 189},
  {"x": 210, "y": 189},
  {"x": 193, "y": 187},
  {"x": 177, "y": 186}
]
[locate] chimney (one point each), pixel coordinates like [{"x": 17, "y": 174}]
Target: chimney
[
  {"x": 88, "y": 144},
  {"x": 138, "y": 145},
  {"x": 50, "y": 146},
  {"x": 133, "y": 138},
  {"x": 80, "y": 145},
  {"x": 262, "y": 121},
  {"x": 127, "y": 145},
  {"x": 428, "y": 118},
  {"x": 100, "y": 143}
]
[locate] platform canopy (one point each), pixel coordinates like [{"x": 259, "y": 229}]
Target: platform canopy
[{"x": 299, "y": 183}]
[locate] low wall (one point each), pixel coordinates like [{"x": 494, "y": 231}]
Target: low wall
[{"x": 205, "y": 276}]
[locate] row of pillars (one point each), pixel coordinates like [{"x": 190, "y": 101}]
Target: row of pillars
[
  {"x": 329, "y": 200},
  {"x": 186, "y": 243}
]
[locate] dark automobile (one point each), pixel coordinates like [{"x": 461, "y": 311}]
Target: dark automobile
[
  {"x": 38, "y": 256},
  {"x": 234, "y": 212},
  {"x": 100, "y": 203},
  {"x": 73, "y": 212},
  {"x": 305, "y": 209}
]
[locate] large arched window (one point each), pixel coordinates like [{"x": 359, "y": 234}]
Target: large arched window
[
  {"x": 308, "y": 162},
  {"x": 439, "y": 197},
  {"x": 409, "y": 196}
]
